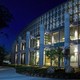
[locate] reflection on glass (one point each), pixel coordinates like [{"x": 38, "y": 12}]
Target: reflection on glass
[
  {"x": 22, "y": 58},
  {"x": 62, "y": 35},
  {"x": 73, "y": 33},
  {"x": 37, "y": 57},
  {"x": 38, "y": 42},
  {"x": 74, "y": 55},
  {"x": 55, "y": 37},
  {"x": 47, "y": 39},
  {"x": 32, "y": 58},
  {"x": 47, "y": 60},
  {"x": 23, "y": 47},
  {"x": 79, "y": 32},
  {"x": 16, "y": 58}
]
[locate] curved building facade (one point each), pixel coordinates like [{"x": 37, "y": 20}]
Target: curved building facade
[{"x": 59, "y": 27}]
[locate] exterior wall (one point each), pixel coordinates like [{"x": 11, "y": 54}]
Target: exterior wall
[{"x": 53, "y": 23}]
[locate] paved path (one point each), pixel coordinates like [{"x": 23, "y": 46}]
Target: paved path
[{"x": 10, "y": 74}]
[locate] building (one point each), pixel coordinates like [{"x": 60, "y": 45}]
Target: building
[{"x": 59, "y": 27}]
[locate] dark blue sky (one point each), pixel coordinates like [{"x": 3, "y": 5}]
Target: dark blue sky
[{"x": 24, "y": 11}]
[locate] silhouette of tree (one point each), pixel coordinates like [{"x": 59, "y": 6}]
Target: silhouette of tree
[
  {"x": 5, "y": 18},
  {"x": 2, "y": 55}
]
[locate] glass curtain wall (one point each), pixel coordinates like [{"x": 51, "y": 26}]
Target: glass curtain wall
[
  {"x": 55, "y": 37},
  {"x": 16, "y": 58},
  {"x": 74, "y": 55},
  {"x": 74, "y": 33},
  {"x": 62, "y": 35},
  {"x": 22, "y": 58},
  {"x": 79, "y": 32},
  {"x": 35, "y": 43},
  {"x": 32, "y": 58},
  {"x": 37, "y": 57},
  {"x": 46, "y": 59},
  {"x": 47, "y": 39}
]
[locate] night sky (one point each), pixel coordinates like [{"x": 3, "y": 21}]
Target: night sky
[{"x": 23, "y": 11}]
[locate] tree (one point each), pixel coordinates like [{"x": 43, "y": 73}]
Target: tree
[
  {"x": 51, "y": 54},
  {"x": 2, "y": 55},
  {"x": 59, "y": 53},
  {"x": 67, "y": 57},
  {"x": 5, "y": 17}
]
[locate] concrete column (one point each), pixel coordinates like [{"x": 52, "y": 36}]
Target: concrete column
[
  {"x": 41, "y": 50},
  {"x": 27, "y": 55},
  {"x": 19, "y": 50},
  {"x": 67, "y": 39}
]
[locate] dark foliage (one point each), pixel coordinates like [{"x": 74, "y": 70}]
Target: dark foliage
[
  {"x": 42, "y": 72},
  {"x": 2, "y": 55}
]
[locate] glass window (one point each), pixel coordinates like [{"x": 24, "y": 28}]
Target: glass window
[
  {"x": 70, "y": 10},
  {"x": 79, "y": 32},
  {"x": 79, "y": 16},
  {"x": 74, "y": 33},
  {"x": 74, "y": 55},
  {"x": 46, "y": 60},
  {"x": 23, "y": 47},
  {"x": 37, "y": 57},
  {"x": 47, "y": 39},
  {"x": 75, "y": 2},
  {"x": 79, "y": 1},
  {"x": 75, "y": 17},
  {"x": 55, "y": 37},
  {"x": 70, "y": 4},
  {"x": 62, "y": 35},
  {"x": 75, "y": 9},
  {"x": 23, "y": 58},
  {"x": 53, "y": 25},
  {"x": 79, "y": 8},
  {"x": 32, "y": 58}
]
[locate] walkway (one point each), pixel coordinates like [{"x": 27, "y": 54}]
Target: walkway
[{"x": 10, "y": 74}]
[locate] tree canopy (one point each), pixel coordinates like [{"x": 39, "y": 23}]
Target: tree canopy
[{"x": 2, "y": 55}]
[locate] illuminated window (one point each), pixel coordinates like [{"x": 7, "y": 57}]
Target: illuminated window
[
  {"x": 38, "y": 43},
  {"x": 56, "y": 37},
  {"x": 62, "y": 35},
  {"x": 73, "y": 33},
  {"x": 23, "y": 47}
]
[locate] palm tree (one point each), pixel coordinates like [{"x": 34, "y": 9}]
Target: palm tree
[
  {"x": 5, "y": 17},
  {"x": 51, "y": 55}
]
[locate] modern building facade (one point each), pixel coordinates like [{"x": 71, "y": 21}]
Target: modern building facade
[{"x": 59, "y": 27}]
